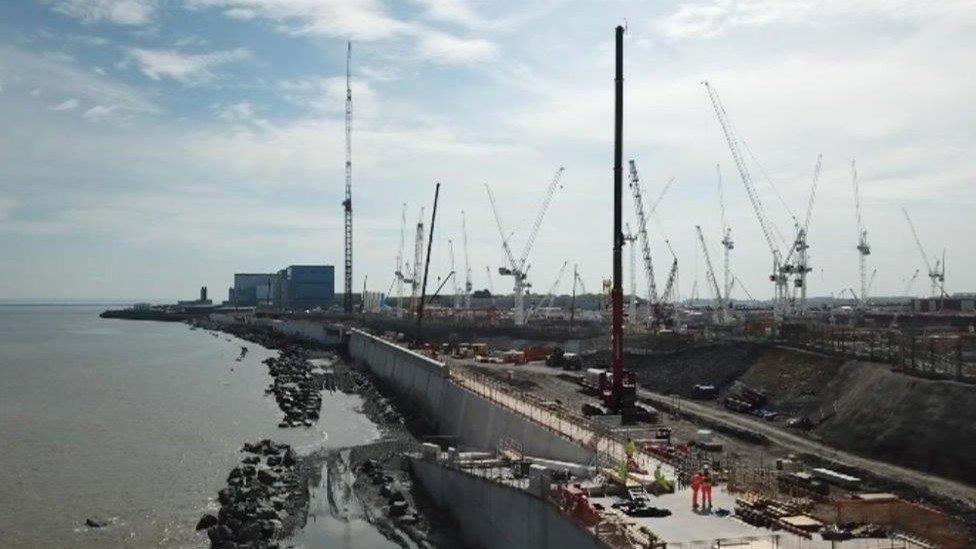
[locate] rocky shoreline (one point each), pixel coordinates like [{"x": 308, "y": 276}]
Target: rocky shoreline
[
  {"x": 267, "y": 496},
  {"x": 263, "y": 498}
]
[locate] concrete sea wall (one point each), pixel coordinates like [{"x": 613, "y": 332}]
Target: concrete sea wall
[
  {"x": 454, "y": 410},
  {"x": 495, "y": 516}
]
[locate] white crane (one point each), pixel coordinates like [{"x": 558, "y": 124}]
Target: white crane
[
  {"x": 937, "y": 274},
  {"x": 467, "y": 265},
  {"x": 454, "y": 279},
  {"x": 401, "y": 266},
  {"x": 710, "y": 275},
  {"x": 777, "y": 276},
  {"x": 863, "y": 248},
  {"x": 550, "y": 296},
  {"x": 801, "y": 266},
  {"x": 644, "y": 240},
  {"x": 727, "y": 244},
  {"x": 418, "y": 261},
  {"x": 630, "y": 238},
  {"x": 910, "y": 285},
  {"x": 517, "y": 268}
]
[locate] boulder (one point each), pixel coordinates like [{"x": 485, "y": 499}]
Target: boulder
[
  {"x": 219, "y": 534},
  {"x": 267, "y": 477},
  {"x": 206, "y": 521},
  {"x": 96, "y": 522}
]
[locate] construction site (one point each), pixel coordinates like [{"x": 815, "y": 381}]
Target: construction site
[{"x": 848, "y": 421}]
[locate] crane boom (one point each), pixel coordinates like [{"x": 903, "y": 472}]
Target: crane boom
[
  {"x": 642, "y": 233},
  {"x": 501, "y": 229},
  {"x": 863, "y": 248},
  {"x": 467, "y": 265},
  {"x": 551, "y": 295},
  {"x": 454, "y": 281},
  {"x": 740, "y": 165},
  {"x": 550, "y": 192},
  {"x": 710, "y": 274}
]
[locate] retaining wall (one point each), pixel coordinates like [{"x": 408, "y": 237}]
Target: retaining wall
[
  {"x": 495, "y": 516},
  {"x": 453, "y": 410}
]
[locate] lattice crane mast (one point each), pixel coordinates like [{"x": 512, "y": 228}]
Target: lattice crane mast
[
  {"x": 629, "y": 239},
  {"x": 454, "y": 281},
  {"x": 710, "y": 275},
  {"x": 401, "y": 266},
  {"x": 517, "y": 267},
  {"x": 863, "y": 248},
  {"x": 347, "y": 203},
  {"x": 467, "y": 265},
  {"x": 418, "y": 261},
  {"x": 800, "y": 267},
  {"x": 936, "y": 275},
  {"x": 635, "y": 189},
  {"x": 778, "y": 278},
  {"x": 727, "y": 246}
]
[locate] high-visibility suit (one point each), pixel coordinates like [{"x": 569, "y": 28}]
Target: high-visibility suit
[
  {"x": 706, "y": 490},
  {"x": 696, "y": 484}
]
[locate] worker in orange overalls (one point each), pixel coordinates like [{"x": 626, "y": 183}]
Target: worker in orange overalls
[
  {"x": 696, "y": 484},
  {"x": 706, "y": 489}
]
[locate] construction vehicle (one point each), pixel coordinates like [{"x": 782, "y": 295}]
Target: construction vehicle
[{"x": 566, "y": 361}]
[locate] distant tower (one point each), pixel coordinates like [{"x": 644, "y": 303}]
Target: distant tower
[
  {"x": 203, "y": 293},
  {"x": 347, "y": 203}
]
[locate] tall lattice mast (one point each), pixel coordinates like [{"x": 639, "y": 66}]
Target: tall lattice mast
[{"x": 347, "y": 203}]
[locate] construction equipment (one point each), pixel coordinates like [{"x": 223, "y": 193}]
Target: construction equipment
[
  {"x": 630, "y": 238},
  {"x": 800, "y": 267},
  {"x": 863, "y": 248},
  {"x": 423, "y": 288},
  {"x": 467, "y": 265},
  {"x": 347, "y": 203},
  {"x": 937, "y": 274},
  {"x": 727, "y": 244},
  {"x": 777, "y": 276},
  {"x": 710, "y": 275},
  {"x": 644, "y": 240},
  {"x": 456, "y": 298},
  {"x": 418, "y": 258},
  {"x": 910, "y": 285},
  {"x": 400, "y": 265},
  {"x": 546, "y": 302},
  {"x": 517, "y": 268}
]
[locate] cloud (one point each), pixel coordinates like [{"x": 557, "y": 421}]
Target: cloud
[
  {"x": 364, "y": 20},
  {"x": 53, "y": 78},
  {"x": 183, "y": 67},
  {"x": 718, "y": 17},
  {"x": 122, "y": 12},
  {"x": 99, "y": 113},
  {"x": 68, "y": 105},
  {"x": 449, "y": 49}
]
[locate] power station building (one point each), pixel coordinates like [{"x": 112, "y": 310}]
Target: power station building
[
  {"x": 294, "y": 287},
  {"x": 305, "y": 287}
]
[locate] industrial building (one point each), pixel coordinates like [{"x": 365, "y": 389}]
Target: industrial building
[
  {"x": 251, "y": 289},
  {"x": 304, "y": 287}
]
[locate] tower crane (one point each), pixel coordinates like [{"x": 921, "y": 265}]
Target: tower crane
[
  {"x": 710, "y": 275},
  {"x": 547, "y": 301},
  {"x": 635, "y": 189},
  {"x": 800, "y": 267},
  {"x": 910, "y": 285},
  {"x": 863, "y": 248},
  {"x": 937, "y": 274},
  {"x": 454, "y": 280},
  {"x": 777, "y": 276},
  {"x": 467, "y": 265},
  {"x": 418, "y": 261},
  {"x": 630, "y": 238},
  {"x": 727, "y": 245},
  {"x": 347, "y": 202},
  {"x": 401, "y": 266},
  {"x": 517, "y": 268}
]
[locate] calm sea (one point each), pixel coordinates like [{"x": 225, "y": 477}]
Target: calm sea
[{"x": 135, "y": 421}]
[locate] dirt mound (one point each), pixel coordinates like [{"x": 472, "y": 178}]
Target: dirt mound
[
  {"x": 793, "y": 380},
  {"x": 923, "y": 424},
  {"x": 676, "y": 372}
]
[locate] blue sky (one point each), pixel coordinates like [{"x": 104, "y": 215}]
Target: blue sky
[{"x": 152, "y": 146}]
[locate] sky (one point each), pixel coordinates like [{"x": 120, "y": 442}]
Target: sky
[{"x": 150, "y": 147}]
